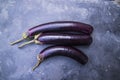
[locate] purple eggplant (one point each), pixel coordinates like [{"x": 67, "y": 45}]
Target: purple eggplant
[
  {"x": 57, "y": 26},
  {"x": 71, "y": 26},
  {"x": 70, "y": 52},
  {"x": 61, "y": 39}
]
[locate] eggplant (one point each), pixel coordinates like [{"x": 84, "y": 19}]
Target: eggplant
[
  {"x": 60, "y": 39},
  {"x": 59, "y": 26},
  {"x": 66, "y": 51}
]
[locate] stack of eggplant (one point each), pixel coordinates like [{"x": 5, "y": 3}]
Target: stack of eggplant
[{"x": 62, "y": 35}]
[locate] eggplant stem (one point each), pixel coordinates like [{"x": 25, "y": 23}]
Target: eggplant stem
[
  {"x": 40, "y": 59},
  {"x": 29, "y": 42},
  {"x": 24, "y": 36},
  {"x": 17, "y": 41}
]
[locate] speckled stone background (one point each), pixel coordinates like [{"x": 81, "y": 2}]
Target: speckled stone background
[{"x": 16, "y": 16}]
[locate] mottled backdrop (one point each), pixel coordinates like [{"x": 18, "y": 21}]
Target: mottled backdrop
[{"x": 16, "y": 16}]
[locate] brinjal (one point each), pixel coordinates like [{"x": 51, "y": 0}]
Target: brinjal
[
  {"x": 70, "y": 52},
  {"x": 60, "y": 39}
]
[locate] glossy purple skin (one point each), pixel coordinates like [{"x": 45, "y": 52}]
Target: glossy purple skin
[
  {"x": 59, "y": 26},
  {"x": 64, "y": 39},
  {"x": 71, "y": 52}
]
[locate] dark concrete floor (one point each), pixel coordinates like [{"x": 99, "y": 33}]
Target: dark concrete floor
[{"x": 16, "y": 16}]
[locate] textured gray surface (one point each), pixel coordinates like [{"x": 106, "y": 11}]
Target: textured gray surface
[{"x": 16, "y": 16}]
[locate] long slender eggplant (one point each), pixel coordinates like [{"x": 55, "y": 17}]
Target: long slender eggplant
[
  {"x": 71, "y": 52},
  {"x": 57, "y": 26},
  {"x": 60, "y": 39}
]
